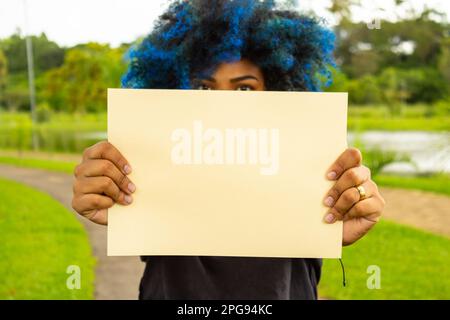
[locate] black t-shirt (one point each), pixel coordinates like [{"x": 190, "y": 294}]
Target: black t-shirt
[{"x": 193, "y": 277}]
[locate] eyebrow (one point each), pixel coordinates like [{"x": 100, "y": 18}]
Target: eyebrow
[
  {"x": 234, "y": 79},
  {"x": 243, "y": 78}
]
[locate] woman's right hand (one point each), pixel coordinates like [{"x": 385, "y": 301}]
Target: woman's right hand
[{"x": 101, "y": 181}]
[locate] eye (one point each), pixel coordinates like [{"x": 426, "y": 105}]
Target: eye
[
  {"x": 203, "y": 87},
  {"x": 245, "y": 88}
]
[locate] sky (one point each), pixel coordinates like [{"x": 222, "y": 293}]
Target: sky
[{"x": 69, "y": 22}]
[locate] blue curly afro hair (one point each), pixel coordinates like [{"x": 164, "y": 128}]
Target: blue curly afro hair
[{"x": 193, "y": 37}]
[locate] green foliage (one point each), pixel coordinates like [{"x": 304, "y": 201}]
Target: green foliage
[
  {"x": 80, "y": 83},
  {"x": 441, "y": 108},
  {"x": 43, "y": 112},
  {"x": 16, "y": 94},
  {"x": 406, "y": 61},
  {"x": 340, "y": 81},
  {"x": 73, "y": 80},
  {"x": 393, "y": 86},
  {"x": 47, "y": 54},
  {"x": 364, "y": 51},
  {"x": 3, "y": 76},
  {"x": 365, "y": 90},
  {"x": 3, "y": 68},
  {"x": 421, "y": 85},
  {"x": 444, "y": 59},
  {"x": 361, "y": 91}
]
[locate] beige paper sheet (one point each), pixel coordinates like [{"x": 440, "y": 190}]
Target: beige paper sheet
[{"x": 226, "y": 209}]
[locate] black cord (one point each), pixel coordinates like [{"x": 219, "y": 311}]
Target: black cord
[{"x": 343, "y": 272}]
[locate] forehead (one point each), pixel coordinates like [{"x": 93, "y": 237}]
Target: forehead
[{"x": 237, "y": 68}]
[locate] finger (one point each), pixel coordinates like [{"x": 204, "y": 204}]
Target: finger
[
  {"x": 355, "y": 229},
  {"x": 349, "y": 198},
  {"x": 348, "y": 159},
  {"x": 86, "y": 204},
  {"x": 105, "y": 150},
  {"x": 99, "y": 216},
  {"x": 102, "y": 185},
  {"x": 350, "y": 178},
  {"x": 101, "y": 167},
  {"x": 369, "y": 208}
]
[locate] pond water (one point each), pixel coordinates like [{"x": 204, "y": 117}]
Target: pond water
[{"x": 429, "y": 151}]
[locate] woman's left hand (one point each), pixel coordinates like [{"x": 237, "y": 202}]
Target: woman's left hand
[{"x": 358, "y": 212}]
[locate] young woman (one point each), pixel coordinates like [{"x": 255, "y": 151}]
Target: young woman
[{"x": 230, "y": 45}]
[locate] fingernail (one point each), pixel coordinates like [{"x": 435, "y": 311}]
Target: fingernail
[
  {"x": 128, "y": 199},
  {"x": 131, "y": 187},
  {"x": 331, "y": 175},
  {"x": 329, "y": 201},
  {"x": 329, "y": 218},
  {"x": 127, "y": 169}
]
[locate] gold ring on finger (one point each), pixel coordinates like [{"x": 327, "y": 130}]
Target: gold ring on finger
[{"x": 362, "y": 192}]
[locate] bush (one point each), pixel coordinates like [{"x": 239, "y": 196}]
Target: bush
[
  {"x": 441, "y": 108},
  {"x": 365, "y": 91},
  {"x": 43, "y": 113},
  {"x": 393, "y": 87},
  {"x": 412, "y": 86}
]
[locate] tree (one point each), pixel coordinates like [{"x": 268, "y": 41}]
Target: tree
[
  {"x": 412, "y": 42},
  {"x": 341, "y": 10},
  {"x": 47, "y": 54},
  {"x": 393, "y": 88},
  {"x": 3, "y": 76},
  {"x": 80, "y": 83},
  {"x": 444, "y": 59}
]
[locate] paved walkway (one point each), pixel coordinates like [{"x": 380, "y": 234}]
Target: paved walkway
[
  {"x": 118, "y": 277},
  {"x": 423, "y": 210}
]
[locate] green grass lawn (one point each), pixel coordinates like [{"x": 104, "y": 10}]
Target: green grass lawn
[
  {"x": 39, "y": 239},
  {"x": 52, "y": 165},
  {"x": 420, "y": 117},
  {"x": 399, "y": 124},
  {"x": 439, "y": 183},
  {"x": 414, "y": 265}
]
